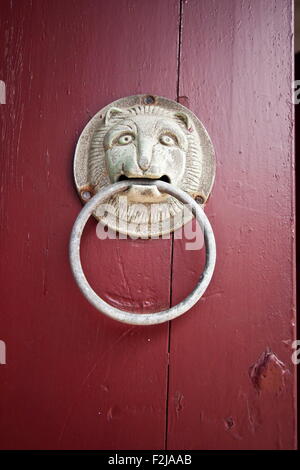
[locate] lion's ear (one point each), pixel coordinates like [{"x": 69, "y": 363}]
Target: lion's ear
[
  {"x": 111, "y": 113},
  {"x": 184, "y": 118}
]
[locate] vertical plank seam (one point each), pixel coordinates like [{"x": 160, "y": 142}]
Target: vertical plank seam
[
  {"x": 293, "y": 152},
  {"x": 179, "y": 42}
]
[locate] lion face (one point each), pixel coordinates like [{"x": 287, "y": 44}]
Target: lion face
[
  {"x": 129, "y": 139},
  {"x": 142, "y": 146}
]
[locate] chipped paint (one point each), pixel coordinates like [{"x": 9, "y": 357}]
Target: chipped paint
[{"x": 267, "y": 374}]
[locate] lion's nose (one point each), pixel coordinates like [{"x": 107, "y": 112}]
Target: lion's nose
[
  {"x": 145, "y": 148},
  {"x": 144, "y": 162}
]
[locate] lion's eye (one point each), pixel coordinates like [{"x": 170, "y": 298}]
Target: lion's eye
[
  {"x": 167, "y": 140},
  {"x": 125, "y": 139}
]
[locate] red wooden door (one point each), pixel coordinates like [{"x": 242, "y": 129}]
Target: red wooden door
[{"x": 221, "y": 376}]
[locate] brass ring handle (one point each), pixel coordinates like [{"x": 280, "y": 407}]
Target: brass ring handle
[{"x": 130, "y": 317}]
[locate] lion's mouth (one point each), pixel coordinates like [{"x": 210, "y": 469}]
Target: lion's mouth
[
  {"x": 143, "y": 193},
  {"x": 164, "y": 178}
]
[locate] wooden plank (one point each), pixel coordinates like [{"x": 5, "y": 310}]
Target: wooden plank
[
  {"x": 232, "y": 381},
  {"x": 75, "y": 379}
]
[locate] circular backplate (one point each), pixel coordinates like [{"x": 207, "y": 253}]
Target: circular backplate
[{"x": 144, "y": 136}]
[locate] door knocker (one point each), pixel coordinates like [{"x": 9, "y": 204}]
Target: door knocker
[{"x": 157, "y": 154}]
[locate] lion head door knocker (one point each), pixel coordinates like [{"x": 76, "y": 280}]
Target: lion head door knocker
[{"x": 155, "y": 154}]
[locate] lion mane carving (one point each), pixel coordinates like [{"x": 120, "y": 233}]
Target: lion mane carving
[{"x": 145, "y": 142}]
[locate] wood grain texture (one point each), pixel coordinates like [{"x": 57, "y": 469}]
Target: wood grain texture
[
  {"x": 75, "y": 379},
  {"x": 227, "y": 390}
]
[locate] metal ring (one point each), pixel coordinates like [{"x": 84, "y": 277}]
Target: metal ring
[{"x": 130, "y": 317}]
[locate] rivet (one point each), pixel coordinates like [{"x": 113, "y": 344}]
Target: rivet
[
  {"x": 199, "y": 199},
  {"x": 149, "y": 99},
  {"x": 86, "y": 195}
]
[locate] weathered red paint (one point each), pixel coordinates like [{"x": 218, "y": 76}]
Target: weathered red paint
[
  {"x": 75, "y": 379},
  {"x": 236, "y": 71}
]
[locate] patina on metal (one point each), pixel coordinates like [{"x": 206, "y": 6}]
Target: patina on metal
[
  {"x": 131, "y": 317},
  {"x": 144, "y": 137}
]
